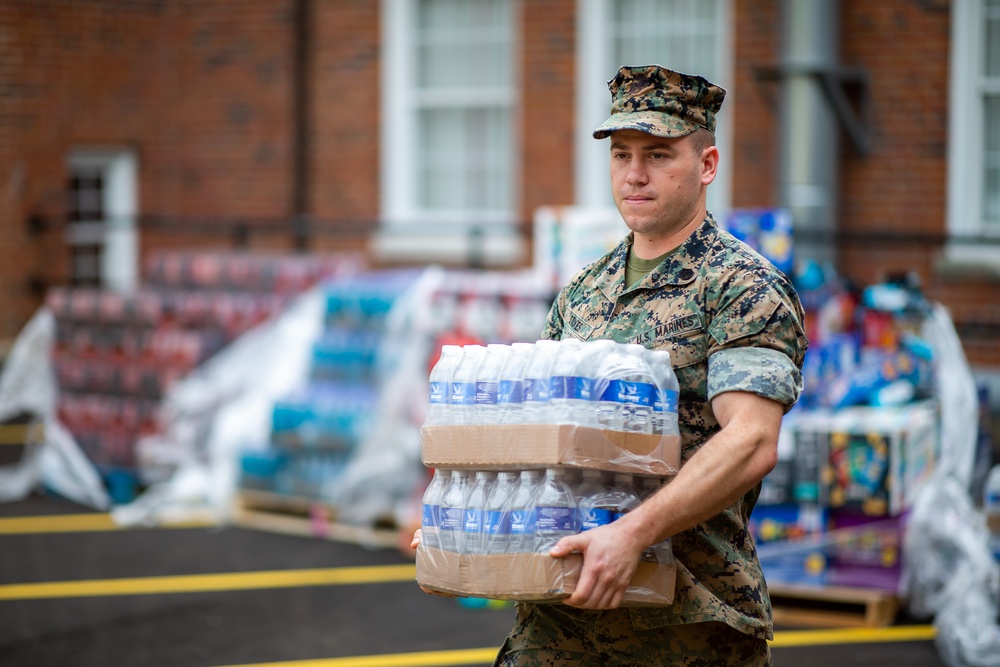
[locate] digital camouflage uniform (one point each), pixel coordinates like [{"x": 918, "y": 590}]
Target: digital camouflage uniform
[{"x": 731, "y": 322}]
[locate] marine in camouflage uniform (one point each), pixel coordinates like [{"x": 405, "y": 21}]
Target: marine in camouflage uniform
[{"x": 732, "y": 322}]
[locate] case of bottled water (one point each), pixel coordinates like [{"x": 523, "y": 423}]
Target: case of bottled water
[{"x": 535, "y": 442}]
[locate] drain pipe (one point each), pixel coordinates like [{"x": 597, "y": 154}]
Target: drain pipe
[{"x": 809, "y": 141}]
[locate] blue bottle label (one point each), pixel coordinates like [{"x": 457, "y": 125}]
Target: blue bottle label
[
  {"x": 667, "y": 401},
  {"x": 570, "y": 386},
  {"x": 594, "y": 517},
  {"x": 451, "y": 518},
  {"x": 496, "y": 523},
  {"x": 639, "y": 393},
  {"x": 440, "y": 393},
  {"x": 463, "y": 393},
  {"x": 522, "y": 522},
  {"x": 560, "y": 519},
  {"x": 613, "y": 392},
  {"x": 431, "y": 515},
  {"x": 510, "y": 391},
  {"x": 536, "y": 389},
  {"x": 473, "y": 521},
  {"x": 487, "y": 393}
]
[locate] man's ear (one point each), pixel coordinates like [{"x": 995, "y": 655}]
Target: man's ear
[{"x": 709, "y": 164}]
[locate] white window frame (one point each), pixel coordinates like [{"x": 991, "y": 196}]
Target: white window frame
[
  {"x": 407, "y": 231},
  {"x": 592, "y": 178},
  {"x": 116, "y": 234},
  {"x": 965, "y": 143},
  {"x": 592, "y": 184}
]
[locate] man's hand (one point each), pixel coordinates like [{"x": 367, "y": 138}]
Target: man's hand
[
  {"x": 414, "y": 543},
  {"x": 610, "y": 558}
]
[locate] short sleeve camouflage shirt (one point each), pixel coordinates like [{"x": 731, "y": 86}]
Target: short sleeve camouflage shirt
[{"x": 732, "y": 322}]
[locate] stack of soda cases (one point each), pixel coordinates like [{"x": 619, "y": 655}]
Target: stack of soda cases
[
  {"x": 117, "y": 354},
  {"x": 600, "y": 384},
  {"x": 315, "y": 430}
]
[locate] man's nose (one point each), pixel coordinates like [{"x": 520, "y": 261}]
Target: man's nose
[{"x": 636, "y": 172}]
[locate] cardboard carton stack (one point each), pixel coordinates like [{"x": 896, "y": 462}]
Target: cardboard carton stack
[
  {"x": 524, "y": 575},
  {"x": 117, "y": 354},
  {"x": 862, "y": 441}
]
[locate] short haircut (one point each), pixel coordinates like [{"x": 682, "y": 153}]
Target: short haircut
[{"x": 702, "y": 139}]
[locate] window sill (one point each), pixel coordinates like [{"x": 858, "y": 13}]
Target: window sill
[
  {"x": 398, "y": 244},
  {"x": 969, "y": 263}
]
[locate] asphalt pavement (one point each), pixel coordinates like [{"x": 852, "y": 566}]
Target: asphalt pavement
[{"x": 77, "y": 591}]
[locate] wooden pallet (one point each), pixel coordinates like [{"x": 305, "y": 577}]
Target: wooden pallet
[
  {"x": 305, "y": 517},
  {"x": 832, "y": 606}
]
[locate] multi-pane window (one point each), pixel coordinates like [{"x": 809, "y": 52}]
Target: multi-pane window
[
  {"x": 101, "y": 205},
  {"x": 450, "y": 106},
  {"x": 679, "y": 34},
  {"x": 86, "y": 215},
  {"x": 989, "y": 92},
  {"x": 974, "y": 130},
  {"x": 686, "y": 35}
]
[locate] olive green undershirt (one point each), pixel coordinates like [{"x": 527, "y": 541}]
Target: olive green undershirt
[{"x": 637, "y": 268}]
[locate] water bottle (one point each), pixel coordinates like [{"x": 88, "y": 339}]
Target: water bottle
[
  {"x": 991, "y": 509},
  {"x": 453, "y": 511},
  {"x": 536, "y": 382},
  {"x": 665, "y": 421},
  {"x": 463, "y": 385},
  {"x": 522, "y": 513},
  {"x": 624, "y": 496},
  {"x": 608, "y": 392},
  {"x": 556, "y": 514},
  {"x": 510, "y": 393},
  {"x": 430, "y": 526},
  {"x": 648, "y": 486},
  {"x": 488, "y": 383},
  {"x": 639, "y": 388},
  {"x": 439, "y": 405},
  {"x": 660, "y": 553},
  {"x": 569, "y": 385},
  {"x": 496, "y": 521},
  {"x": 475, "y": 508},
  {"x": 594, "y": 500}
]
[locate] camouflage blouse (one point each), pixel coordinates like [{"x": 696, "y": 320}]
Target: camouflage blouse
[{"x": 731, "y": 321}]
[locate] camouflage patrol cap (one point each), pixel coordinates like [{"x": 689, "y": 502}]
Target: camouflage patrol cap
[{"x": 661, "y": 102}]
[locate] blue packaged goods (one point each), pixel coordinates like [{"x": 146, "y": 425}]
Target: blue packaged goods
[{"x": 323, "y": 415}]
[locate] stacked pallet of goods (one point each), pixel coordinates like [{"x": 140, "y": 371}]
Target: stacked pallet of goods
[
  {"x": 116, "y": 355},
  {"x": 855, "y": 451}
]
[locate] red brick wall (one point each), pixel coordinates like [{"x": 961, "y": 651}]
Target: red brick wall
[
  {"x": 345, "y": 91},
  {"x": 547, "y": 125},
  {"x": 753, "y": 104},
  {"x": 202, "y": 92},
  {"x": 900, "y": 187},
  {"x": 69, "y": 80}
]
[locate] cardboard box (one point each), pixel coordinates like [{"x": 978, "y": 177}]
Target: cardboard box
[
  {"x": 870, "y": 460},
  {"x": 866, "y": 552},
  {"x": 532, "y": 577},
  {"x": 518, "y": 446}
]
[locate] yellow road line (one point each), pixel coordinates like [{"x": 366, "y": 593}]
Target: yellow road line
[
  {"x": 74, "y": 523},
  {"x": 201, "y": 583},
  {"x": 896, "y": 633},
  {"x": 20, "y": 434},
  {"x": 473, "y": 656},
  {"x": 485, "y": 656}
]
